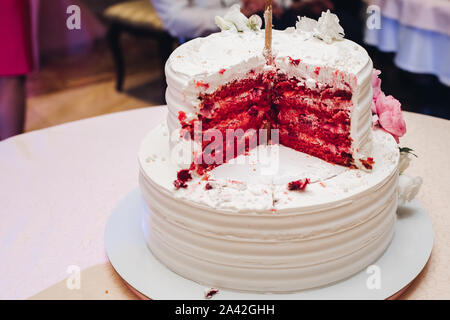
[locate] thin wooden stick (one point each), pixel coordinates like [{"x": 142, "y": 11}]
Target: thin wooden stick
[{"x": 268, "y": 23}]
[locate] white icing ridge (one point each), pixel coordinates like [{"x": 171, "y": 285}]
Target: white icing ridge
[{"x": 260, "y": 236}]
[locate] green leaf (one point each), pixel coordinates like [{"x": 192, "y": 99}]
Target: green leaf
[{"x": 407, "y": 150}]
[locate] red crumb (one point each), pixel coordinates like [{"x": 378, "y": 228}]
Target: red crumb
[
  {"x": 367, "y": 163},
  {"x": 182, "y": 116},
  {"x": 178, "y": 184},
  {"x": 322, "y": 184},
  {"x": 208, "y": 186},
  {"x": 317, "y": 70},
  {"x": 298, "y": 185},
  {"x": 273, "y": 210},
  {"x": 295, "y": 62},
  {"x": 201, "y": 84},
  {"x": 222, "y": 71},
  {"x": 182, "y": 177},
  {"x": 200, "y": 170},
  {"x": 211, "y": 292}
]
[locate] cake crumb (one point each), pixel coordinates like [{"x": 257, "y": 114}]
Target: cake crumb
[
  {"x": 201, "y": 84},
  {"x": 209, "y": 293},
  {"x": 299, "y": 185},
  {"x": 317, "y": 70},
  {"x": 294, "y": 62},
  {"x": 182, "y": 177},
  {"x": 367, "y": 163}
]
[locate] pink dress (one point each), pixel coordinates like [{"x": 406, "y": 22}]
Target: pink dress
[{"x": 15, "y": 38}]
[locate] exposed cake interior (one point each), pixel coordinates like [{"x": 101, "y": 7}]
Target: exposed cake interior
[
  {"x": 314, "y": 120},
  {"x": 242, "y": 104}
]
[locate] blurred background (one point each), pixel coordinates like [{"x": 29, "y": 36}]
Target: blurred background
[{"x": 65, "y": 60}]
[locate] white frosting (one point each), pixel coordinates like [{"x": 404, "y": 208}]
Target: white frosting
[
  {"x": 226, "y": 56},
  {"x": 258, "y": 236}
]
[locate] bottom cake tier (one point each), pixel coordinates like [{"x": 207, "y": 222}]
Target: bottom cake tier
[{"x": 253, "y": 234}]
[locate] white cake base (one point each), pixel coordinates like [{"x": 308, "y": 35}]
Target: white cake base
[
  {"x": 250, "y": 233},
  {"x": 128, "y": 253}
]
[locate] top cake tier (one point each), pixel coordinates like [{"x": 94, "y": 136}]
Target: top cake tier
[
  {"x": 223, "y": 56},
  {"x": 317, "y": 93}
]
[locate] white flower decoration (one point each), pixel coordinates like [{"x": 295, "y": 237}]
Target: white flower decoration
[
  {"x": 328, "y": 28},
  {"x": 408, "y": 188},
  {"x": 405, "y": 159},
  {"x": 234, "y": 19},
  {"x": 306, "y": 24},
  {"x": 235, "y": 16},
  {"x": 374, "y": 119},
  {"x": 224, "y": 24},
  {"x": 254, "y": 23}
]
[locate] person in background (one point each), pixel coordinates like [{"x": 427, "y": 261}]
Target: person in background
[
  {"x": 15, "y": 62},
  {"x": 187, "y": 19}
]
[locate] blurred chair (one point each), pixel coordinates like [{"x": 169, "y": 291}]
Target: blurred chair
[{"x": 140, "y": 19}]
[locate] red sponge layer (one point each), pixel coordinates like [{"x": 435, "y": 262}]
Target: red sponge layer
[{"x": 313, "y": 121}]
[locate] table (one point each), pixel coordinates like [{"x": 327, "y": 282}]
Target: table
[
  {"x": 59, "y": 185},
  {"x": 418, "y": 31}
]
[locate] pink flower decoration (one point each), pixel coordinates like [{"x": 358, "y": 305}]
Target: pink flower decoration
[
  {"x": 386, "y": 110},
  {"x": 390, "y": 116},
  {"x": 376, "y": 84}
]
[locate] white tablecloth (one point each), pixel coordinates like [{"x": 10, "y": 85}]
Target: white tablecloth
[
  {"x": 59, "y": 185},
  {"x": 418, "y": 32}
]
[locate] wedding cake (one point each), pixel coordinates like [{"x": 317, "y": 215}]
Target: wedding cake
[{"x": 275, "y": 172}]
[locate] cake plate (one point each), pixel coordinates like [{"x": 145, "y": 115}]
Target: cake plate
[{"x": 387, "y": 277}]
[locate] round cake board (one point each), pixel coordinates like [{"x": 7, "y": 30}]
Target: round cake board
[{"x": 404, "y": 259}]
